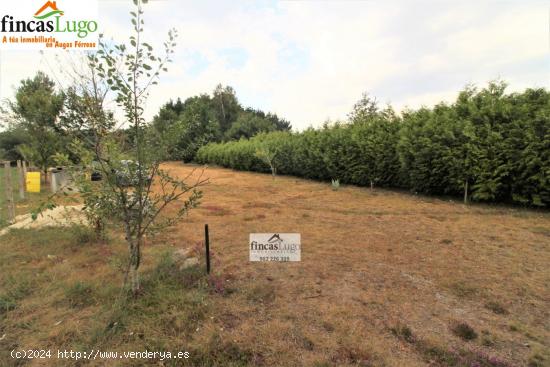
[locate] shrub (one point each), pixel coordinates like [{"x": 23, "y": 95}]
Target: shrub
[
  {"x": 463, "y": 331},
  {"x": 403, "y": 332},
  {"x": 487, "y": 146},
  {"x": 83, "y": 235},
  {"x": 6, "y": 304},
  {"x": 496, "y": 307}
]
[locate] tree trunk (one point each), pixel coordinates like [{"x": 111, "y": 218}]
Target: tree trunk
[
  {"x": 134, "y": 280},
  {"x": 223, "y": 112},
  {"x": 135, "y": 259},
  {"x": 466, "y": 192},
  {"x": 99, "y": 228},
  {"x": 25, "y": 174},
  {"x": 371, "y": 185},
  {"x": 45, "y": 170},
  {"x": 134, "y": 249}
]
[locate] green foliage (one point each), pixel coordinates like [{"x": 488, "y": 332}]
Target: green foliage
[
  {"x": 218, "y": 352},
  {"x": 487, "y": 146},
  {"x": 83, "y": 235},
  {"x": 10, "y": 140},
  {"x": 247, "y": 125},
  {"x": 38, "y": 106},
  {"x": 128, "y": 162},
  {"x": 197, "y": 125},
  {"x": 79, "y": 295},
  {"x": 14, "y": 289},
  {"x": 403, "y": 332},
  {"x": 269, "y": 157},
  {"x": 183, "y": 127},
  {"x": 226, "y": 105}
]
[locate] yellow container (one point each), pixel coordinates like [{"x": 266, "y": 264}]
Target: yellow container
[{"x": 33, "y": 181}]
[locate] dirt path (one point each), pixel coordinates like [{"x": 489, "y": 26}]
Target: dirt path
[{"x": 60, "y": 216}]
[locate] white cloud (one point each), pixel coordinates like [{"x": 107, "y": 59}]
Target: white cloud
[{"x": 309, "y": 61}]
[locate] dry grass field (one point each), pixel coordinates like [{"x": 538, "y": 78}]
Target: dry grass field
[{"x": 386, "y": 279}]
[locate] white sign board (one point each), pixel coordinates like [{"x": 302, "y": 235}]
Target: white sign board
[{"x": 275, "y": 247}]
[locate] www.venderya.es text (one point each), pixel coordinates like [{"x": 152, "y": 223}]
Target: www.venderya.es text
[{"x": 95, "y": 354}]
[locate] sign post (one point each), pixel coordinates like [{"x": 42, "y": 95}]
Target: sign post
[{"x": 207, "y": 244}]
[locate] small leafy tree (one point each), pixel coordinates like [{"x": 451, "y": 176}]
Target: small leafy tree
[
  {"x": 134, "y": 190},
  {"x": 268, "y": 155}
]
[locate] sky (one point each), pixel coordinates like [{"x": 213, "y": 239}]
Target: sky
[{"x": 310, "y": 61}]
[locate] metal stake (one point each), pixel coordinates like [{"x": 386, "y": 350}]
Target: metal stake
[{"x": 207, "y": 244}]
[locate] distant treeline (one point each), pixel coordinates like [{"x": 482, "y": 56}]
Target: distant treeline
[
  {"x": 179, "y": 128},
  {"x": 184, "y": 127},
  {"x": 487, "y": 146}
]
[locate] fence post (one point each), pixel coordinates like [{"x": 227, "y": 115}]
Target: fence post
[
  {"x": 9, "y": 192},
  {"x": 21, "y": 179},
  {"x": 24, "y": 162},
  {"x": 53, "y": 180},
  {"x": 207, "y": 244}
]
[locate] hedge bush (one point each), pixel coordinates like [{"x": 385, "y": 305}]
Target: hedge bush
[{"x": 490, "y": 145}]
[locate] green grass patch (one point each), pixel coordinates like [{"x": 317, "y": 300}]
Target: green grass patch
[
  {"x": 496, "y": 307},
  {"x": 79, "y": 295},
  {"x": 223, "y": 353},
  {"x": 464, "y": 290},
  {"x": 14, "y": 289},
  {"x": 403, "y": 332},
  {"x": 173, "y": 303}
]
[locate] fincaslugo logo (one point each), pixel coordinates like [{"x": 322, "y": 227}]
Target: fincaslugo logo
[
  {"x": 52, "y": 6},
  {"x": 275, "y": 247},
  {"x": 54, "y": 24}
]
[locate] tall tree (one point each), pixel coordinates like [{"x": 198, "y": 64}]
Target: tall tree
[
  {"x": 226, "y": 105},
  {"x": 279, "y": 124},
  {"x": 186, "y": 126},
  {"x": 168, "y": 115},
  {"x": 197, "y": 126},
  {"x": 38, "y": 105},
  {"x": 249, "y": 124},
  {"x": 491, "y": 116}
]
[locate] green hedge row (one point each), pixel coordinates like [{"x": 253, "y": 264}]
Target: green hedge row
[{"x": 490, "y": 145}]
